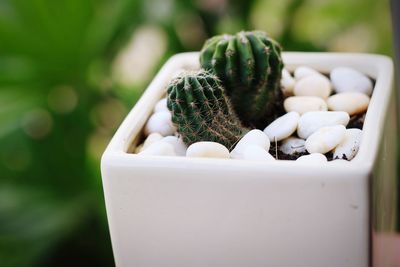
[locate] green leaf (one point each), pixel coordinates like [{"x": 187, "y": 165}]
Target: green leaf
[
  {"x": 32, "y": 221},
  {"x": 14, "y": 103}
]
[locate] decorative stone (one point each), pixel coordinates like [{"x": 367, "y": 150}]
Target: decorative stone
[
  {"x": 325, "y": 139},
  {"x": 287, "y": 82},
  {"x": 312, "y": 121},
  {"x": 304, "y": 71},
  {"x": 312, "y": 158},
  {"x": 158, "y": 149},
  {"x": 282, "y": 127},
  {"x": 346, "y": 79},
  {"x": 161, "y": 123},
  {"x": 152, "y": 138},
  {"x": 207, "y": 150},
  {"x": 303, "y": 104},
  {"x": 257, "y": 153},
  {"x": 349, "y": 146},
  {"x": 313, "y": 85},
  {"x": 253, "y": 137},
  {"x": 178, "y": 144},
  {"x": 161, "y": 105},
  {"x": 293, "y": 145},
  {"x": 350, "y": 102}
]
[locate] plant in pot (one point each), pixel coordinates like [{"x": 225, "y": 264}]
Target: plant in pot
[{"x": 229, "y": 160}]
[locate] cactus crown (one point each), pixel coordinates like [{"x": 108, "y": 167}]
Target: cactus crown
[
  {"x": 249, "y": 65},
  {"x": 201, "y": 110}
]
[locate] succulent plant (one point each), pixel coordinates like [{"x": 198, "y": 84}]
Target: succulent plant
[
  {"x": 201, "y": 110},
  {"x": 249, "y": 65}
]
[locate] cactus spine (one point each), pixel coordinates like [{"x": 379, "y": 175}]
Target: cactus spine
[
  {"x": 249, "y": 64},
  {"x": 201, "y": 110}
]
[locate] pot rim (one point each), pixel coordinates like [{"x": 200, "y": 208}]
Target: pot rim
[{"x": 376, "y": 66}]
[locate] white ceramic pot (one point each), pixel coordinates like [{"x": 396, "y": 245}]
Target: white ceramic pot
[{"x": 177, "y": 211}]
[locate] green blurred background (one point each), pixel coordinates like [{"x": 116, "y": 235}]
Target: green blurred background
[{"x": 70, "y": 70}]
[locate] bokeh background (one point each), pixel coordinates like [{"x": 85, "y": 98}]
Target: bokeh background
[{"x": 70, "y": 70}]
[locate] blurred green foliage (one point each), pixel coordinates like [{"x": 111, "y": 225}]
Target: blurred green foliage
[{"x": 69, "y": 74}]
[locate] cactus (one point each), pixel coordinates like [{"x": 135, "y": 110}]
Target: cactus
[
  {"x": 201, "y": 110},
  {"x": 249, "y": 65}
]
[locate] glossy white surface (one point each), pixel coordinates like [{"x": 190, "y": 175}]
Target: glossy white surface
[{"x": 177, "y": 211}]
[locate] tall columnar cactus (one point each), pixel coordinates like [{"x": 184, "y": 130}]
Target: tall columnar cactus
[
  {"x": 201, "y": 110},
  {"x": 249, "y": 64}
]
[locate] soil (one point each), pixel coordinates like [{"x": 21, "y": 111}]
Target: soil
[
  {"x": 277, "y": 154},
  {"x": 357, "y": 121}
]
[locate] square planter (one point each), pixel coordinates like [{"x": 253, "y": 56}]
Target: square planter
[{"x": 177, "y": 211}]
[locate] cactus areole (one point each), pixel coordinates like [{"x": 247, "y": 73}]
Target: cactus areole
[
  {"x": 249, "y": 65},
  {"x": 201, "y": 110}
]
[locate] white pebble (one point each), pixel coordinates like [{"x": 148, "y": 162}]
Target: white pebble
[
  {"x": 257, "y": 153},
  {"x": 350, "y": 102},
  {"x": 312, "y": 158},
  {"x": 346, "y": 79},
  {"x": 293, "y": 145},
  {"x": 287, "y": 82},
  {"x": 161, "y": 123},
  {"x": 161, "y": 105},
  {"x": 207, "y": 150},
  {"x": 253, "y": 137},
  {"x": 349, "y": 145},
  {"x": 325, "y": 139},
  {"x": 304, "y": 71},
  {"x": 158, "y": 149},
  {"x": 313, "y": 85},
  {"x": 282, "y": 127},
  {"x": 303, "y": 104},
  {"x": 152, "y": 138},
  {"x": 312, "y": 121},
  {"x": 178, "y": 144}
]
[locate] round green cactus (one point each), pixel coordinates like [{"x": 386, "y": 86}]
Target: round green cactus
[
  {"x": 201, "y": 110},
  {"x": 249, "y": 65}
]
